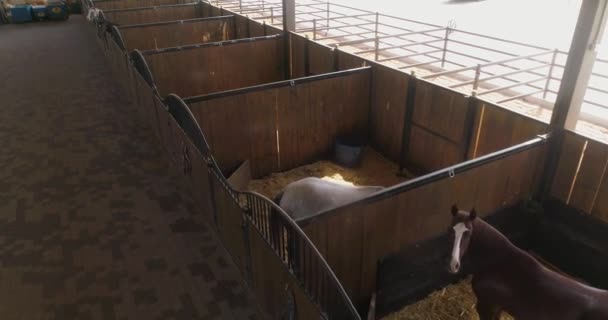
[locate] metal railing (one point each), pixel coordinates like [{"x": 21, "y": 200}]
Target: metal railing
[
  {"x": 281, "y": 233},
  {"x": 496, "y": 69}
]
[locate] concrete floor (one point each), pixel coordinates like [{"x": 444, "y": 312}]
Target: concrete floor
[{"x": 93, "y": 224}]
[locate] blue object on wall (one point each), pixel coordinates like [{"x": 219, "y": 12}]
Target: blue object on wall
[{"x": 21, "y": 14}]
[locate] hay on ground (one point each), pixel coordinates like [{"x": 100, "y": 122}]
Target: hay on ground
[
  {"x": 374, "y": 170},
  {"x": 455, "y": 301}
]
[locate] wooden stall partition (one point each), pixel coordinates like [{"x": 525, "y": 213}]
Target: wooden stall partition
[
  {"x": 215, "y": 67},
  {"x": 241, "y": 127},
  {"x": 403, "y": 216},
  {"x": 153, "y": 14},
  {"x": 145, "y": 102},
  {"x": 177, "y": 33},
  {"x": 438, "y": 127},
  {"x": 388, "y": 110},
  {"x": 299, "y": 56},
  {"x": 283, "y": 125},
  {"x": 312, "y": 114},
  {"x": 275, "y": 287},
  {"x": 321, "y": 58},
  {"x": 497, "y": 128},
  {"x": 128, "y": 4},
  {"x": 345, "y": 60},
  {"x": 580, "y": 179},
  {"x": 117, "y": 59},
  {"x": 229, "y": 220},
  {"x": 249, "y": 28}
]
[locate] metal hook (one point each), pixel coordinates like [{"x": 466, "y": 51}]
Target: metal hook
[
  {"x": 451, "y": 173},
  {"x": 292, "y": 83}
]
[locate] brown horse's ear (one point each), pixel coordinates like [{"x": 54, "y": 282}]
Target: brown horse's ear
[
  {"x": 472, "y": 214},
  {"x": 454, "y": 210}
]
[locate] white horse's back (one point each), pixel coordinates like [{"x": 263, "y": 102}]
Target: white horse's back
[{"x": 310, "y": 196}]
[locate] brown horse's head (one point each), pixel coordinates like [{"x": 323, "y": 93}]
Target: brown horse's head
[{"x": 460, "y": 233}]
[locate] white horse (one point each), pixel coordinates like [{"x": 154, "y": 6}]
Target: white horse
[
  {"x": 93, "y": 14},
  {"x": 310, "y": 196}
]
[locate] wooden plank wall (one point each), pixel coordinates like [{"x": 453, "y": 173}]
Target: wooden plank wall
[
  {"x": 438, "y": 127},
  {"x": 272, "y": 283},
  {"x": 389, "y": 95},
  {"x": 369, "y": 231},
  {"x": 177, "y": 34},
  {"x": 241, "y": 127},
  {"x": 310, "y": 58},
  {"x": 315, "y": 113},
  {"x": 200, "y": 71},
  {"x": 282, "y": 128},
  {"x": 581, "y": 180},
  {"x": 247, "y": 28},
  {"x": 154, "y": 14},
  {"x": 445, "y": 124},
  {"x": 126, "y": 4},
  {"x": 297, "y": 55},
  {"x": 497, "y": 128},
  {"x": 321, "y": 58}
]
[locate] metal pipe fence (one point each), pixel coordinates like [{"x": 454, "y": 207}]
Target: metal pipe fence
[{"x": 512, "y": 69}]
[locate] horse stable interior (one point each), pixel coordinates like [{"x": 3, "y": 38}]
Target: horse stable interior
[{"x": 242, "y": 108}]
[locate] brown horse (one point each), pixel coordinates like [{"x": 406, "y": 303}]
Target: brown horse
[{"x": 506, "y": 278}]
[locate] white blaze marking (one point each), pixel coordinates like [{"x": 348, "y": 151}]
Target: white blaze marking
[{"x": 459, "y": 230}]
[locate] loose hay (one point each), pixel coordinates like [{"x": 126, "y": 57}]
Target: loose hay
[
  {"x": 374, "y": 170},
  {"x": 455, "y": 301}
]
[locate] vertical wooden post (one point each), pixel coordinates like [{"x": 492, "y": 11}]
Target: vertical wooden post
[
  {"x": 314, "y": 29},
  {"x": 306, "y": 57},
  {"x": 410, "y": 102},
  {"x": 469, "y": 121},
  {"x": 336, "y": 54},
  {"x": 588, "y": 32}
]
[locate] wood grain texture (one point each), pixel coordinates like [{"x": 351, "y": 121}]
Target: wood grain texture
[
  {"x": 590, "y": 175},
  {"x": 272, "y": 282},
  {"x": 315, "y": 113},
  {"x": 572, "y": 149},
  {"x": 389, "y": 94},
  {"x": 207, "y": 70},
  {"x": 126, "y": 4},
  {"x": 157, "y": 14},
  {"x": 240, "y": 128},
  {"x": 177, "y": 34},
  {"x": 230, "y": 216},
  {"x": 282, "y": 128},
  {"x": 502, "y": 128}
]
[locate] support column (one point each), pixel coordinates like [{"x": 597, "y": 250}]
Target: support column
[
  {"x": 582, "y": 55},
  {"x": 289, "y": 15},
  {"x": 574, "y": 82}
]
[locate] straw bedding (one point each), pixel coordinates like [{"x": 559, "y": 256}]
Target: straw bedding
[
  {"x": 374, "y": 170},
  {"x": 455, "y": 301}
]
